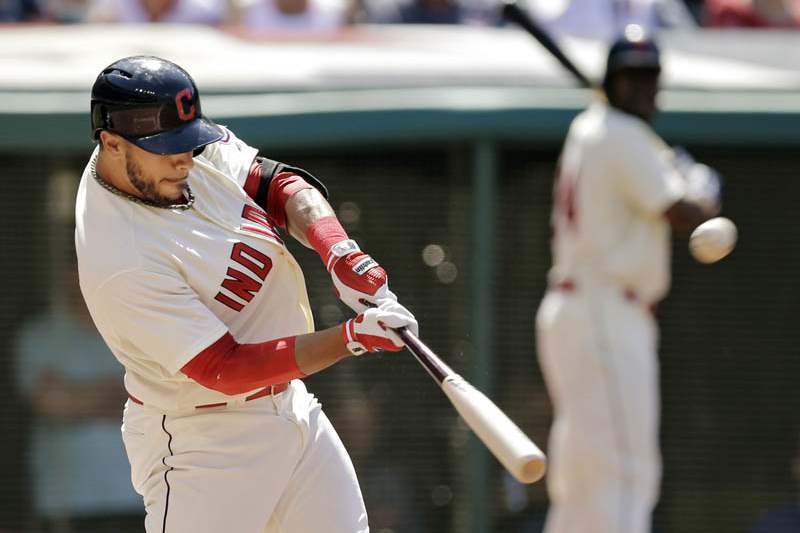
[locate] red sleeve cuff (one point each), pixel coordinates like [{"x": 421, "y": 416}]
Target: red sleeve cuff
[{"x": 232, "y": 368}]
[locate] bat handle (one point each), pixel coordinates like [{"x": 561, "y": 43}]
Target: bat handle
[
  {"x": 435, "y": 366},
  {"x": 408, "y": 337}
]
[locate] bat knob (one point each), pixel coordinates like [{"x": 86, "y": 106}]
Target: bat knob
[{"x": 511, "y": 10}]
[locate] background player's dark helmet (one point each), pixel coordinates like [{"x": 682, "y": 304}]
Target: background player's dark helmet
[
  {"x": 152, "y": 103},
  {"x": 632, "y": 50}
]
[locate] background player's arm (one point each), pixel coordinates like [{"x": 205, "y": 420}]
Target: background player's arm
[
  {"x": 651, "y": 180},
  {"x": 685, "y": 215},
  {"x": 701, "y": 199}
]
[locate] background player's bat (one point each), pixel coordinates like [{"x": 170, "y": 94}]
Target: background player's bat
[
  {"x": 507, "y": 442},
  {"x": 514, "y": 13}
]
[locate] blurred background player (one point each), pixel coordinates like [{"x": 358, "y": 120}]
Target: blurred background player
[
  {"x": 191, "y": 286},
  {"x": 618, "y": 191},
  {"x": 80, "y": 475}
]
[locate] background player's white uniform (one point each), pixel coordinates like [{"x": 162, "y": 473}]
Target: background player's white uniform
[
  {"x": 164, "y": 284},
  {"x": 597, "y": 337}
]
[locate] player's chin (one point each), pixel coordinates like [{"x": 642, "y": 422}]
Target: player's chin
[{"x": 173, "y": 189}]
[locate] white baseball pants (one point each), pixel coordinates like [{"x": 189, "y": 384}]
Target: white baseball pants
[
  {"x": 271, "y": 465},
  {"x": 597, "y": 351}
]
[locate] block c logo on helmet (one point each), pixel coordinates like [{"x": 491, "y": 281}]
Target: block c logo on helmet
[{"x": 184, "y": 102}]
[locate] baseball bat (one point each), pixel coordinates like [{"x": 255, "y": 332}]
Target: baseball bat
[
  {"x": 514, "y": 13},
  {"x": 517, "y": 453}
]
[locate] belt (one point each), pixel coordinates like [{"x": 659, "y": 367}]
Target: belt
[
  {"x": 629, "y": 294},
  {"x": 266, "y": 391}
]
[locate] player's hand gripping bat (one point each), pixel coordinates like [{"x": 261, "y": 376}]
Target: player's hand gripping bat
[
  {"x": 505, "y": 440},
  {"x": 514, "y": 13}
]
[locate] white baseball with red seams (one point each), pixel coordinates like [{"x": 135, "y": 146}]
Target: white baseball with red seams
[
  {"x": 225, "y": 268},
  {"x": 596, "y": 335}
]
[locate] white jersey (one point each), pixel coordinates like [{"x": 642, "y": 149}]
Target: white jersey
[
  {"x": 615, "y": 181},
  {"x": 164, "y": 284}
]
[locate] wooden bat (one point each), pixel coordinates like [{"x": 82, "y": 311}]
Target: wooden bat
[
  {"x": 513, "y": 13},
  {"x": 505, "y": 440}
]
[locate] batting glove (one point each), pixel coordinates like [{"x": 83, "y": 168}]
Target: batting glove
[
  {"x": 703, "y": 183},
  {"x": 373, "y": 330},
  {"x": 358, "y": 279},
  {"x": 704, "y": 187}
]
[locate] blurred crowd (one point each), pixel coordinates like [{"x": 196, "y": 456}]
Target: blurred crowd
[{"x": 590, "y": 18}]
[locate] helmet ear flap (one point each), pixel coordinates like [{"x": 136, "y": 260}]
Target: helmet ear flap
[{"x": 99, "y": 119}]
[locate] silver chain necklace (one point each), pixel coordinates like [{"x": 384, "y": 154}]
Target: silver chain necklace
[{"x": 110, "y": 188}]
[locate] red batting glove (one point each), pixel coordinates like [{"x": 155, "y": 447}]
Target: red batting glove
[
  {"x": 372, "y": 330},
  {"x": 359, "y": 280}
]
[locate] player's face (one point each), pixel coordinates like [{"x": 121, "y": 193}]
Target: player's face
[
  {"x": 161, "y": 179},
  {"x": 635, "y": 92}
]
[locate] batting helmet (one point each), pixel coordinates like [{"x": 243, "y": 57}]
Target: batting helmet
[
  {"x": 633, "y": 50},
  {"x": 152, "y": 103}
]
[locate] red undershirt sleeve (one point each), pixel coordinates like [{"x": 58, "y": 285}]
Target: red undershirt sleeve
[
  {"x": 232, "y": 368},
  {"x": 280, "y": 188}
]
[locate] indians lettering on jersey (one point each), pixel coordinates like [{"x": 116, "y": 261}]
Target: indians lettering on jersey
[{"x": 236, "y": 282}]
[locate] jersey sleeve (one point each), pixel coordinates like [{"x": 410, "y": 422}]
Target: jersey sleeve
[
  {"x": 231, "y": 156},
  {"x": 646, "y": 179},
  {"x": 157, "y": 316}
]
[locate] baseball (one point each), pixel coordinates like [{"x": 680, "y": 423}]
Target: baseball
[{"x": 713, "y": 239}]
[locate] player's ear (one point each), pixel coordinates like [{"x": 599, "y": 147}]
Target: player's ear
[{"x": 112, "y": 144}]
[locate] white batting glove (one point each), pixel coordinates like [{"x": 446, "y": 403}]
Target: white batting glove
[
  {"x": 704, "y": 187},
  {"x": 682, "y": 160},
  {"x": 703, "y": 183},
  {"x": 358, "y": 279},
  {"x": 372, "y": 330}
]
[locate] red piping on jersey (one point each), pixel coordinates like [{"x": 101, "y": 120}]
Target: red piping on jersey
[
  {"x": 232, "y": 368},
  {"x": 282, "y": 187},
  {"x": 323, "y": 234}
]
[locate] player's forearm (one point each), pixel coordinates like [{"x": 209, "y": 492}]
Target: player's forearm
[
  {"x": 302, "y": 210},
  {"x": 317, "y": 351},
  {"x": 232, "y": 368},
  {"x": 685, "y": 215}
]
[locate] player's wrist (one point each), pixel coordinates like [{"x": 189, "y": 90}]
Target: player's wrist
[
  {"x": 350, "y": 338},
  {"x": 339, "y": 250},
  {"x": 327, "y": 236}
]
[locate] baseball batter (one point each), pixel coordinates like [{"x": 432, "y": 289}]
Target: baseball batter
[
  {"x": 187, "y": 277},
  {"x": 617, "y": 192}
]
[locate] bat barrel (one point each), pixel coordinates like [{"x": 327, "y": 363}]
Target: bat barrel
[
  {"x": 515, "y": 451},
  {"x": 505, "y": 440}
]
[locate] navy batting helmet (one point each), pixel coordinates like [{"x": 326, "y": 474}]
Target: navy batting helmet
[
  {"x": 632, "y": 50},
  {"x": 152, "y": 103}
]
